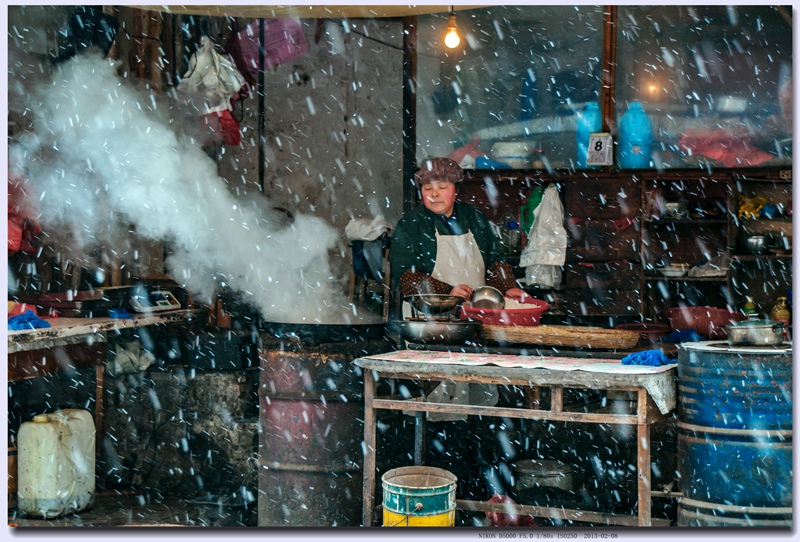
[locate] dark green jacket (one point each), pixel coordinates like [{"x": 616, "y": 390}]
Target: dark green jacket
[{"x": 414, "y": 239}]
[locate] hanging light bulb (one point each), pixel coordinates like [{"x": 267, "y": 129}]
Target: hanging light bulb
[{"x": 452, "y": 39}]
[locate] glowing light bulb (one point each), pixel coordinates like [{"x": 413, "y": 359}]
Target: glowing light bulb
[{"x": 452, "y": 39}]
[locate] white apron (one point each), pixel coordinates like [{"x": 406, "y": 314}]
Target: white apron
[{"x": 458, "y": 261}]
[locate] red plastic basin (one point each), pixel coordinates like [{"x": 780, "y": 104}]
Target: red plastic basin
[
  {"x": 707, "y": 321},
  {"x": 507, "y": 317}
]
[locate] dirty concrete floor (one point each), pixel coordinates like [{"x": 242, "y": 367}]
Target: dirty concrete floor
[{"x": 147, "y": 511}]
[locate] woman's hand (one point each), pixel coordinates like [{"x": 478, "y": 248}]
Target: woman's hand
[
  {"x": 461, "y": 290},
  {"x": 518, "y": 294}
]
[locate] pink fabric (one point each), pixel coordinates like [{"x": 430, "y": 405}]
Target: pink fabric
[
  {"x": 723, "y": 146},
  {"x": 283, "y": 41},
  {"x": 497, "y": 519}
]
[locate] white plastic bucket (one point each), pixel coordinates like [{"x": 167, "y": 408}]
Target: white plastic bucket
[{"x": 56, "y": 464}]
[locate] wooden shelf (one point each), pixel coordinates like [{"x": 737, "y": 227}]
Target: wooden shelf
[
  {"x": 653, "y": 278},
  {"x": 757, "y": 258},
  {"x": 688, "y": 221}
]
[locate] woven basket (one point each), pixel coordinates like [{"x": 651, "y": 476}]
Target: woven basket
[{"x": 578, "y": 337}]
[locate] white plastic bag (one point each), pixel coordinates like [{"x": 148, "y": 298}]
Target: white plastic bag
[
  {"x": 546, "y": 248},
  {"x": 211, "y": 75}
]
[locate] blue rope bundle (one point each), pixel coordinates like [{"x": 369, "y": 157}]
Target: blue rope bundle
[{"x": 654, "y": 358}]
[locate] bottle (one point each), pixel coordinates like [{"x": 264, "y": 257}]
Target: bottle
[
  {"x": 749, "y": 308},
  {"x": 635, "y": 137},
  {"x": 509, "y": 234},
  {"x": 780, "y": 314},
  {"x": 527, "y": 108},
  {"x": 589, "y": 121}
]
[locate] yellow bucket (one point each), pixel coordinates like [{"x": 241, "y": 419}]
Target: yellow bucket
[{"x": 419, "y": 497}]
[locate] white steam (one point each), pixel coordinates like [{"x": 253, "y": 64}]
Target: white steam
[{"x": 102, "y": 158}]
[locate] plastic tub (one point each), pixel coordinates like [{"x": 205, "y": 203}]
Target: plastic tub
[
  {"x": 506, "y": 317},
  {"x": 707, "y": 321}
]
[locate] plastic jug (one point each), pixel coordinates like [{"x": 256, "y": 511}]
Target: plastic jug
[
  {"x": 635, "y": 137},
  {"x": 56, "y": 464},
  {"x": 589, "y": 121}
]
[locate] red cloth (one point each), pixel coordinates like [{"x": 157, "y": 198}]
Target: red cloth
[
  {"x": 221, "y": 126},
  {"x": 23, "y": 228},
  {"x": 724, "y": 147},
  {"x": 497, "y": 519}
]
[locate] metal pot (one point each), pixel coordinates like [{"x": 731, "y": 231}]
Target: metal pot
[
  {"x": 530, "y": 473},
  {"x": 755, "y": 333},
  {"x": 433, "y": 332}
]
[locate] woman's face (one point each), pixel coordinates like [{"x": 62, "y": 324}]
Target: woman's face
[{"x": 439, "y": 197}]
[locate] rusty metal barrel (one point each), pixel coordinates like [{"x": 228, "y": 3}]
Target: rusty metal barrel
[
  {"x": 735, "y": 435},
  {"x": 312, "y": 428}
]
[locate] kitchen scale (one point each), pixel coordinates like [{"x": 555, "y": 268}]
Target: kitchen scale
[{"x": 155, "y": 301}]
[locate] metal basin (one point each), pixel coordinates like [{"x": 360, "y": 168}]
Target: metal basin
[
  {"x": 435, "y": 304},
  {"x": 486, "y": 297},
  {"x": 433, "y": 332}
]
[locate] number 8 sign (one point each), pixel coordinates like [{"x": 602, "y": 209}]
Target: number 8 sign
[{"x": 601, "y": 150}]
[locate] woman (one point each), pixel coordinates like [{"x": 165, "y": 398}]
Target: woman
[{"x": 446, "y": 246}]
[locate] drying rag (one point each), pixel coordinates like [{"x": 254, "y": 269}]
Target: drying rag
[
  {"x": 119, "y": 313},
  {"x": 26, "y": 320},
  {"x": 655, "y": 358}
]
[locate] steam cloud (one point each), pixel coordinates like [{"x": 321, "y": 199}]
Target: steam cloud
[{"x": 103, "y": 156}]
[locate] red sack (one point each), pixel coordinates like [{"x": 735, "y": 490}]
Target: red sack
[
  {"x": 22, "y": 228},
  {"x": 497, "y": 519},
  {"x": 221, "y": 126}
]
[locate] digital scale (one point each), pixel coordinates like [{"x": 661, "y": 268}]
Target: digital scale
[{"x": 155, "y": 301}]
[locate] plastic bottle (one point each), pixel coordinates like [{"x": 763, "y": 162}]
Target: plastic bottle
[
  {"x": 510, "y": 235},
  {"x": 780, "y": 314},
  {"x": 527, "y": 108},
  {"x": 589, "y": 121},
  {"x": 635, "y": 137},
  {"x": 749, "y": 308}
]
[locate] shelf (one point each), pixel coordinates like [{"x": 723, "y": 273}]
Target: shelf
[
  {"x": 692, "y": 221},
  {"x": 653, "y": 278},
  {"x": 757, "y": 258}
]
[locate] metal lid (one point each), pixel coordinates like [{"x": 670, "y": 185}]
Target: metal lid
[{"x": 541, "y": 467}]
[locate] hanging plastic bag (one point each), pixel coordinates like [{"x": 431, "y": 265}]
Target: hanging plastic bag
[
  {"x": 212, "y": 76},
  {"x": 546, "y": 248}
]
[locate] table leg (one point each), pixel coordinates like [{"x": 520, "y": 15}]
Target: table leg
[
  {"x": 643, "y": 448},
  {"x": 369, "y": 449}
]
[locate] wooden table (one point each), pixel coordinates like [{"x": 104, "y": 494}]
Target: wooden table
[{"x": 654, "y": 387}]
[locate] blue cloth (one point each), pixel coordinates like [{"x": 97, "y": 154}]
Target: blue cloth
[
  {"x": 119, "y": 313},
  {"x": 655, "y": 358},
  {"x": 684, "y": 336},
  {"x": 26, "y": 320}
]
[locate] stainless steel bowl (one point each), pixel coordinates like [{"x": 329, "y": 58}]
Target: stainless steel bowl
[
  {"x": 487, "y": 297},
  {"x": 434, "y": 332},
  {"x": 755, "y": 333},
  {"x": 755, "y": 244},
  {"x": 435, "y": 304}
]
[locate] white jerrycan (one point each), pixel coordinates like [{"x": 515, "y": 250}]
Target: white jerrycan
[{"x": 56, "y": 464}]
